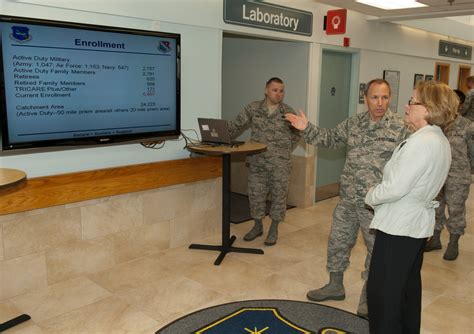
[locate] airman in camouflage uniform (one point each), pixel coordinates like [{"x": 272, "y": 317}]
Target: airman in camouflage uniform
[
  {"x": 370, "y": 139},
  {"x": 468, "y": 106},
  {"x": 456, "y": 189},
  {"x": 270, "y": 170}
]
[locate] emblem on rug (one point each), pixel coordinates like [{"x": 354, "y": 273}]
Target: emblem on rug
[
  {"x": 330, "y": 330},
  {"x": 268, "y": 317},
  {"x": 254, "y": 320}
]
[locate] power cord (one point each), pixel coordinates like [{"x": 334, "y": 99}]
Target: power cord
[
  {"x": 156, "y": 145},
  {"x": 188, "y": 140},
  {"x": 152, "y": 144}
]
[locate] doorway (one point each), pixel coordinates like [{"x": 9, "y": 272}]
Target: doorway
[
  {"x": 247, "y": 63},
  {"x": 442, "y": 72},
  {"x": 464, "y": 72},
  {"x": 336, "y": 72}
]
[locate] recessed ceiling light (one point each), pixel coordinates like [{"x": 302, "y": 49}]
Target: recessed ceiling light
[{"x": 392, "y": 4}]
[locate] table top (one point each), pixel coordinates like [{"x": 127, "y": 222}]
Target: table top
[
  {"x": 245, "y": 148},
  {"x": 10, "y": 177}
]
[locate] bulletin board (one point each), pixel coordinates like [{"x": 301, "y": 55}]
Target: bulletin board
[{"x": 393, "y": 78}]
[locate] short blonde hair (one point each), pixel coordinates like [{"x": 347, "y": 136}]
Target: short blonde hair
[{"x": 440, "y": 101}]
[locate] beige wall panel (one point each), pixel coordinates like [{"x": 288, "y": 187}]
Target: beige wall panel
[
  {"x": 22, "y": 274},
  {"x": 35, "y": 233},
  {"x": 74, "y": 259},
  {"x": 187, "y": 229},
  {"x": 115, "y": 215}
]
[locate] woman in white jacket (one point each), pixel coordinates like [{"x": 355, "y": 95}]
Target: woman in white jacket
[{"x": 404, "y": 210}]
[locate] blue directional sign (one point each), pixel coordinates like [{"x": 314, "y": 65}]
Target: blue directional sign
[{"x": 454, "y": 50}]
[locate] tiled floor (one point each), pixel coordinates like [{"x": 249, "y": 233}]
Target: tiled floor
[{"x": 141, "y": 296}]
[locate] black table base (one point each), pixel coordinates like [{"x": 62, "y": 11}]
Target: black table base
[
  {"x": 227, "y": 240},
  {"x": 226, "y": 249},
  {"x": 13, "y": 322}
]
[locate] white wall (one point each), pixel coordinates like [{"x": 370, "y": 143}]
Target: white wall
[
  {"x": 200, "y": 94},
  {"x": 363, "y": 32},
  {"x": 373, "y": 64},
  {"x": 382, "y": 45},
  {"x": 460, "y": 29},
  {"x": 248, "y": 63}
]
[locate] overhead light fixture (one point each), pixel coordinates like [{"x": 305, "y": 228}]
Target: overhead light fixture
[{"x": 393, "y": 4}]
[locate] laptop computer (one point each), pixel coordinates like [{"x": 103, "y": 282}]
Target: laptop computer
[{"x": 216, "y": 131}]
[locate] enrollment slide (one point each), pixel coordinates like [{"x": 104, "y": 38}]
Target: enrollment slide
[{"x": 64, "y": 82}]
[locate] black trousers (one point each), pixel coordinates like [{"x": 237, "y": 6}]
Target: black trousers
[{"x": 394, "y": 284}]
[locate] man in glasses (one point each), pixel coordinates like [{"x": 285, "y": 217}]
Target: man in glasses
[{"x": 370, "y": 138}]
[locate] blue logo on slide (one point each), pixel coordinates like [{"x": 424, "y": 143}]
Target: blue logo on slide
[
  {"x": 165, "y": 47},
  {"x": 20, "y": 34}
]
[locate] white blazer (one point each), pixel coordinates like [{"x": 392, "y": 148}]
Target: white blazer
[{"x": 404, "y": 202}]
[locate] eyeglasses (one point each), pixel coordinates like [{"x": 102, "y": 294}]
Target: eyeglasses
[{"x": 412, "y": 102}]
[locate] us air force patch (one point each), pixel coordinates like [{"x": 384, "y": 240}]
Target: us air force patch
[
  {"x": 20, "y": 34},
  {"x": 165, "y": 47},
  {"x": 254, "y": 320}
]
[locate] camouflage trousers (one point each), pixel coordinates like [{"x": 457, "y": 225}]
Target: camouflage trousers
[
  {"x": 347, "y": 219},
  {"x": 453, "y": 196},
  {"x": 264, "y": 179}
]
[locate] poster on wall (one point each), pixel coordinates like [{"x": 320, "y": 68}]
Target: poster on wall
[
  {"x": 393, "y": 78},
  {"x": 428, "y": 77},
  {"x": 362, "y": 87},
  {"x": 418, "y": 77}
]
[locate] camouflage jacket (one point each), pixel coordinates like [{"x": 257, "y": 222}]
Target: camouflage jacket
[
  {"x": 461, "y": 138},
  {"x": 468, "y": 106},
  {"x": 369, "y": 147},
  {"x": 271, "y": 129}
]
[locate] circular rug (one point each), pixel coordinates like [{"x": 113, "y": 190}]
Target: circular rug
[{"x": 268, "y": 317}]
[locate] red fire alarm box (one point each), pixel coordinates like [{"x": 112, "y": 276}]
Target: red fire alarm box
[{"x": 336, "y": 22}]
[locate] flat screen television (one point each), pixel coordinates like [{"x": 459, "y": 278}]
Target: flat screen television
[{"x": 68, "y": 84}]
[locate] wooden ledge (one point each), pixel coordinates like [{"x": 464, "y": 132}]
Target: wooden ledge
[{"x": 43, "y": 192}]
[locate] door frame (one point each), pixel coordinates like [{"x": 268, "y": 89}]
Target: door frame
[
  {"x": 329, "y": 190},
  {"x": 355, "y": 68},
  {"x": 461, "y": 78},
  {"x": 441, "y": 75}
]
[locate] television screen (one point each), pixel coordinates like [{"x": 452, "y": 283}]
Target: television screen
[{"x": 76, "y": 84}]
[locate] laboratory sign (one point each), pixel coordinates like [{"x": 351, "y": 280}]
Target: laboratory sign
[{"x": 268, "y": 16}]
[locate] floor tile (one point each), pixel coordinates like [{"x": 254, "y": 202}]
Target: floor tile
[{"x": 145, "y": 294}]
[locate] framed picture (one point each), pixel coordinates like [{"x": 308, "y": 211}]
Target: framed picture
[
  {"x": 393, "y": 78},
  {"x": 428, "y": 77},
  {"x": 418, "y": 77},
  {"x": 362, "y": 87}
]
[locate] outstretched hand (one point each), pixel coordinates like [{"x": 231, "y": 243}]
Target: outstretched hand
[{"x": 299, "y": 122}]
